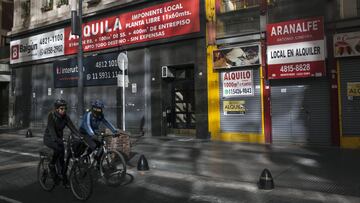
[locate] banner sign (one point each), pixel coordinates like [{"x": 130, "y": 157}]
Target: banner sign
[
  {"x": 42, "y": 46},
  {"x": 237, "y": 57},
  {"x": 238, "y": 83},
  {"x": 296, "y": 49},
  {"x": 234, "y": 107},
  {"x": 157, "y": 22},
  {"x": 353, "y": 89},
  {"x": 347, "y": 44},
  {"x": 99, "y": 70},
  {"x": 174, "y": 18}
]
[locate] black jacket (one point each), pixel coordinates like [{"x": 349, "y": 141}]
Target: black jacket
[{"x": 55, "y": 127}]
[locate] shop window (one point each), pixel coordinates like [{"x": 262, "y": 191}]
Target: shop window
[
  {"x": 62, "y": 2},
  {"x": 47, "y": 5},
  {"x": 238, "y": 17}
]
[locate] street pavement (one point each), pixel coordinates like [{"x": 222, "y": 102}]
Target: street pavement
[{"x": 183, "y": 169}]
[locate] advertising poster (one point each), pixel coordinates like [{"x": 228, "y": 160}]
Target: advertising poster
[
  {"x": 236, "y": 57},
  {"x": 238, "y": 83},
  {"x": 347, "y": 44},
  {"x": 165, "y": 20},
  {"x": 234, "y": 107},
  {"x": 353, "y": 89},
  {"x": 99, "y": 70},
  {"x": 296, "y": 49},
  {"x": 42, "y": 46}
]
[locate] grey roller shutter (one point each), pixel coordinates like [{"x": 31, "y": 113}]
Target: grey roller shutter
[
  {"x": 350, "y": 72},
  {"x": 300, "y": 111},
  {"x": 250, "y": 122}
]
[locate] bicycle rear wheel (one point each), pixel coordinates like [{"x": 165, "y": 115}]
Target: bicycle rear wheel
[
  {"x": 44, "y": 176},
  {"x": 113, "y": 166},
  {"x": 81, "y": 181}
]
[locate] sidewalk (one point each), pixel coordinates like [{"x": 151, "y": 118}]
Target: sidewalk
[{"x": 183, "y": 169}]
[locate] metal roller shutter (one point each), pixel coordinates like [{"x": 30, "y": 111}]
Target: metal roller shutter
[
  {"x": 250, "y": 122},
  {"x": 350, "y": 72},
  {"x": 300, "y": 111}
]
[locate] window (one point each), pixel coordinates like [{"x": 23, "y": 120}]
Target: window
[
  {"x": 62, "y": 2},
  {"x": 47, "y": 5},
  {"x": 7, "y": 15},
  {"x": 358, "y": 7},
  {"x": 236, "y": 17}
]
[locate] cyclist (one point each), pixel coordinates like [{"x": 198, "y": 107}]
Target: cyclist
[
  {"x": 90, "y": 125},
  {"x": 53, "y": 138}
]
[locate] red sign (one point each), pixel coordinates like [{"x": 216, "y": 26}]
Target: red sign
[
  {"x": 295, "y": 31},
  {"x": 296, "y": 49},
  {"x": 157, "y": 22}
]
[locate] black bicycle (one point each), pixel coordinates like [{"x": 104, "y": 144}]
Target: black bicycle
[
  {"x": 111, "y": 165},
  {"x": 79, "y": 176}
]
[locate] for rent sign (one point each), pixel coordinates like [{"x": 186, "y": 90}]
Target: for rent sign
[
  {"x": 296, "y": 49},
  {"x": 165, "y": 20},
  {"x": 238, "y": 83}
]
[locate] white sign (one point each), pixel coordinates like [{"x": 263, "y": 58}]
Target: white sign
[
  {"x": 296, "y": 52},
  {"x": 46, "y": 45},
  {"x": 347, "y": 44},
  {"x": 238, "y": 83}
]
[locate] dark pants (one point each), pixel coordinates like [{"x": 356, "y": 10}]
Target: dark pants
[
  {"x": 58, "y": 155},
  {"x": 93, "y": 143}
]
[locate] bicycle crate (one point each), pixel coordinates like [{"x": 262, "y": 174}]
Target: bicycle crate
[{"x": 120, "y": 143}]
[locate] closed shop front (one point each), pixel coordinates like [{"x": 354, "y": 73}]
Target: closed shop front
[
  {"x": 300, "y": 90},
  {"x": 300, "y": 111},
  {"x": 347, "y": 52}
]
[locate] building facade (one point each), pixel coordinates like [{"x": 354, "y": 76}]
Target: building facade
[
  {"x": 161, "y": 42},
  {"x": 263, "y": 71},
  {"x": 302, "y": 83}
]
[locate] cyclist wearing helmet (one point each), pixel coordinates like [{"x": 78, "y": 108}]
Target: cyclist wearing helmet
[
  {"x": 53, "y": 138},
  {"x": 91, "y": 122}
]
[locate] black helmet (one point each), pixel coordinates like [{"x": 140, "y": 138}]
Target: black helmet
[{"x": 59, "y": 102}]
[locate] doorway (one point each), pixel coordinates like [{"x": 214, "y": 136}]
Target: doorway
[
  {"x": 180, "y": 112},
  {"x": 4, "y": 103}
]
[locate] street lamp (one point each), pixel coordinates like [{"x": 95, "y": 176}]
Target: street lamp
[{"x": 76, "y": 29}]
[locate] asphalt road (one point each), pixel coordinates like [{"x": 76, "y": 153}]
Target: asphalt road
[{"x": 188, "y": 170}]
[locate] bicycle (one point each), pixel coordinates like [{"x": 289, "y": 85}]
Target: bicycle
[
  {"x": 112, "y": 165},
  {"x": 80, "y": 179}
]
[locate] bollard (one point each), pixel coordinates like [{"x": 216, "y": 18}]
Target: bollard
[
  {"x": 142, "y": 164},
  {"x": 266, "y": 181},
  {"x": 28, "y": 133}
]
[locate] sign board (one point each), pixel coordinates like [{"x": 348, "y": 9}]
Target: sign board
[
  {"x": 164, "y": 20},
  {"x": 42, "y": 46},
  {"x": 296, "y": 49},
  {"x": 234, "y": 107},
  {"x": 99, "y": 70},
  {"x": 161, "y": 21},
  {"x": 237, "y": 83},
  {"x": 353, "y": 89},
  {"x": 347, "y": 44},
  {"x": 237, "y": 57}
]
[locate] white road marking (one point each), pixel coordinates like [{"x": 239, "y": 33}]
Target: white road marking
[
  {"x": 17, "y": 152},
  {"x": 18, "y": 165},
  {"x": 8, "y": 199}
]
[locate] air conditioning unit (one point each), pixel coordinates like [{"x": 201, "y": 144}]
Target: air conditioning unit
[{"x": 166, "y": 72}]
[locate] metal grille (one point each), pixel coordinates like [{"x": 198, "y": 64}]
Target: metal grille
[
  {"x": 349, "y": 72},
  {"x": 300, "y": 111},
  {"x": 250, "y": 122}
]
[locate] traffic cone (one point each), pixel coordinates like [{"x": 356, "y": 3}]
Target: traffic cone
[
  {"x": 142, "y": 164},
  {"x": 28, "y": 133},
  {"x": 266, "y": 181}
]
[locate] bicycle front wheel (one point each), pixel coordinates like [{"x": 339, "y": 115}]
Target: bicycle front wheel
[
  {"x": 113, "y": 166},
  {"x": 44, "y": 176},
  {"x": 81, "y": 181}
]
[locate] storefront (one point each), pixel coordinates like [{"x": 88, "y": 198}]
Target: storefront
[
  {"x": 153, "y": 38},
  {"x": 347, "y": 52},
  {"x": 300, "y": 90}
]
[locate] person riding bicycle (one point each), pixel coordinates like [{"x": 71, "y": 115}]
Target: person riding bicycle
[
  {"x": 90, "y": 125},
  {"x": 53, "y": 138}
]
